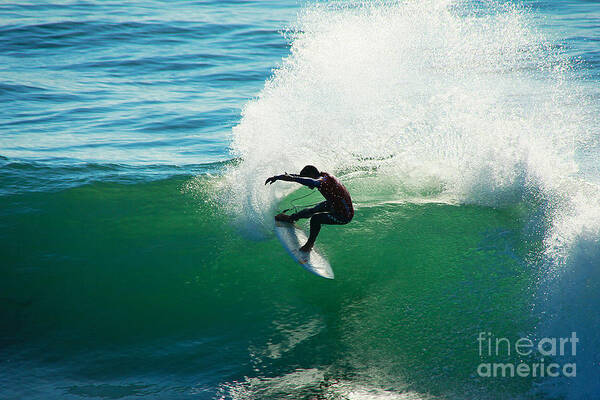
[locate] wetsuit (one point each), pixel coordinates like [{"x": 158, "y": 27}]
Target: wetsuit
[{"x": 335, "y": 210}]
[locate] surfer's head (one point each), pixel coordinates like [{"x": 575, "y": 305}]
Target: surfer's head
[{"x": 310, "y": 171}]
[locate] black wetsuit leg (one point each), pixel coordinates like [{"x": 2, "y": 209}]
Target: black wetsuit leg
[
  {"x": 322, "y": 214},
  {"x": 309, "y": 212}
]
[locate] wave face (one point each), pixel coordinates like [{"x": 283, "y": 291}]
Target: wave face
[{"x": 155, "y": 294}]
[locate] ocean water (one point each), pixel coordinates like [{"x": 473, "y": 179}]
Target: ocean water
[{"x": 137, "y": 258}]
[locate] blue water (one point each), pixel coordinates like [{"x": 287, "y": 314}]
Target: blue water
[
  {"x": 135, "y": 83},
  {"x": 138, "y": 258}
]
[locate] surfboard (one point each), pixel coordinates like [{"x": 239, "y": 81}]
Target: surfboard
[{"x": 292, "y": 238}]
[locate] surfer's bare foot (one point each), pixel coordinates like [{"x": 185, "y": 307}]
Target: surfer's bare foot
[
  {"x": 306, "y": 248},
  {"x": 284, "y": 218}
]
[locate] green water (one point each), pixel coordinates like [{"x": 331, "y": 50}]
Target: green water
[{"x": 112, "y": 282}]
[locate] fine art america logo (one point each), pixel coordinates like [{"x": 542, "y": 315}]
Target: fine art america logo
[{"x": 491, "y": 347}]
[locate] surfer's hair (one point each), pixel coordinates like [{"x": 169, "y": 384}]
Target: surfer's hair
[{"x": 310, "y": 171}]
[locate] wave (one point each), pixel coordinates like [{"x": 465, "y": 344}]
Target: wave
[
  {"x": 407, "y": 276},
  {"x": 417, "y": 101}
]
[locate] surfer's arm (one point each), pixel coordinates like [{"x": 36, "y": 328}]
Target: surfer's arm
[{"x": 310, "y": 182}]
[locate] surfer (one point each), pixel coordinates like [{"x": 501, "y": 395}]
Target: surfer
[{"x": 335, "y": 210}]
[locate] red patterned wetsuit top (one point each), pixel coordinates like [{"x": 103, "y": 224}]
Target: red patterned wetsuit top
[{"x": 337, "y": 195}]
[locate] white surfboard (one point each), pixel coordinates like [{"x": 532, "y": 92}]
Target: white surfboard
[{"x": 292, "y": 238}]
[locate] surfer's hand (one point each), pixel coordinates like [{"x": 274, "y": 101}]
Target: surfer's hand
[{"x": 271, "y": 180}]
